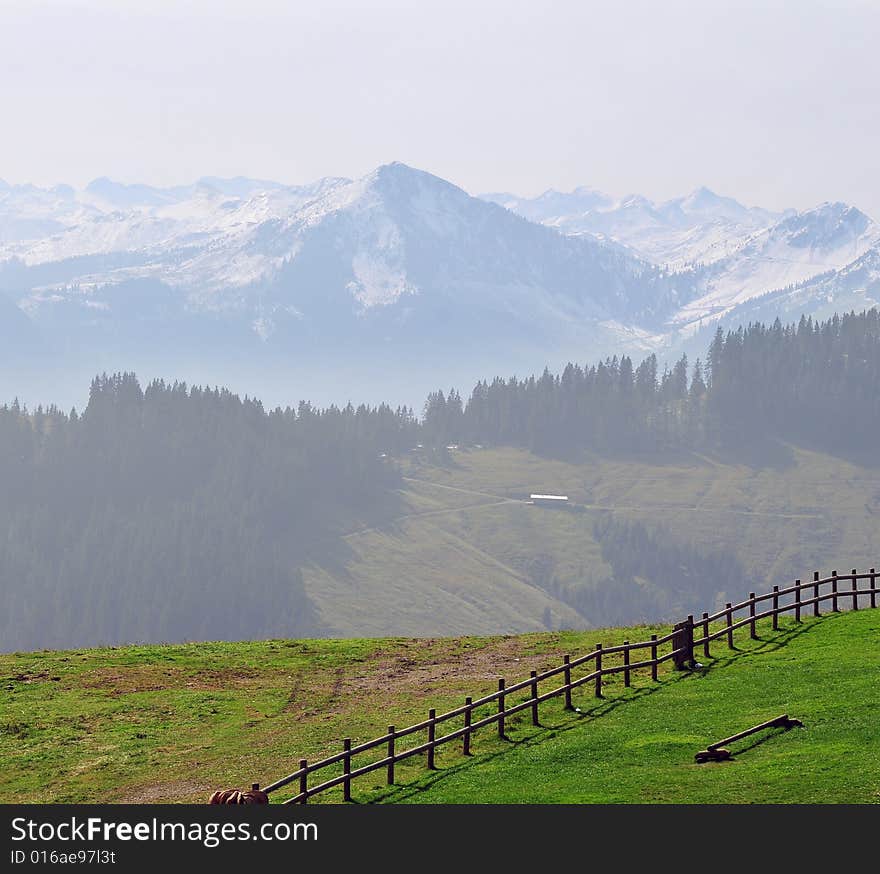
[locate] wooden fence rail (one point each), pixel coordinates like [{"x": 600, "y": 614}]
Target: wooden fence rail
[{"x": 680, "y": 642}]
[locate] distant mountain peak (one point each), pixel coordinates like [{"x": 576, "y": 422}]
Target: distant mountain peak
[
  {"x": 397, "y": 170},
  {"x": 400, "y": 186},
  {"x": 703, "y": 201},
  {"x": 121, "y": 194},
  {"x": 829, "y": 213},
  {"x": 836, "y": 208},
  {"x": 238, "y": 186},
  {"x": 830, "y": 225},
  {"x": 703, "y": 196},
  {"x": 636, "y": 200}
]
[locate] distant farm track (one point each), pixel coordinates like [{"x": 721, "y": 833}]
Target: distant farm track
[
  {"x": 497, "y": 501},
  {"x": 644, "y": 508},
  {"x": 424, "y": 482},
  {"x": 679, "y": 509},
  {"x": 423, "y": 514}
]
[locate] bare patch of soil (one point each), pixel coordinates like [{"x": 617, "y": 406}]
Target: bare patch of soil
[
  {"x": 162, "y": 793},
  {"x": 152, "y": 678},
  {"x": 427, "y": 664}
]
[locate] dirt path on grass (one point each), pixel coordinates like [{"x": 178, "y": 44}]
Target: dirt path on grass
[{"x": 422, "y": 514}]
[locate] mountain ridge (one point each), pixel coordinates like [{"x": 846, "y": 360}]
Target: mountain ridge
[{"x": 398, "y": 269}]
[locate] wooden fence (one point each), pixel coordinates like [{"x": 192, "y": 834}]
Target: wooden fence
[{"x": 678, "y": 646}]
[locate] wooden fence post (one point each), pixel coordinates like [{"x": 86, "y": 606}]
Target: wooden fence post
[
  {"x": 501, "y": 709},
  {"x": 834, "y": 608},
  {"x": 303, "y": 781},
  {"x": 706, "y": 635},
  {"x": 752, "y": 633},
  {"x": 797, "y": 601},
  {"x": 816, "y": 610},
  {"x": 676, "y": 646},
  {"x": 776, "y": 608},
  {"x": 466, "y": 742},
  {"x": 626, "y": 671},
  {"x": 567, "y": 675},
  {"x": 390, "y": 775},
  {"x": 654, "y": 657},
  {"x": 855, "y": 590},
  {"x": 534, "y": 688},
  {"x": 729, "y": 617},
  {"x": 431, "y": 733},
  {"x": 873, "y": 586},
  {"x": 598, "y": 670},
  {"x": 346, "y": 769}
]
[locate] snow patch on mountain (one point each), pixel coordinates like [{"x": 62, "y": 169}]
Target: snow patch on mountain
[
  {"x": 811, "y": 243},
  {"x": 855, "y": 287},
  {"x": 377, "y": 282}
]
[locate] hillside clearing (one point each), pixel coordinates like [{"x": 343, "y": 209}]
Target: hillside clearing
[{"x": 466, "y": 555}]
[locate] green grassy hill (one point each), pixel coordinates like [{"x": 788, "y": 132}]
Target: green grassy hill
[
  {"x": 460, "y": 553},
  {"x": 637, "y": 746},
  {"x": 172, "y": 723}
]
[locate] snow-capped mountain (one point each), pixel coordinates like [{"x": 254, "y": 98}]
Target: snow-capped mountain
[
  {"x": 408, "y": 234},
  {"x": 735, "y": 257},
  {"x": 832, "y": 237},
  {"x": 396, "y": 234},
  {"x": 389, "y": 284},
  {"x": 399, "y": 264},
  {"x": 198, "y": 236}
]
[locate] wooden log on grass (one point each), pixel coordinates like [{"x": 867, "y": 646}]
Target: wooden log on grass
[{"x": 717, "y": 752}]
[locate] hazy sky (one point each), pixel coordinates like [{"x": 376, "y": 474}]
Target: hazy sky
[{"x": 773, "y": 102}]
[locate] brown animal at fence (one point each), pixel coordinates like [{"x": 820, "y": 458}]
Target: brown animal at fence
[{"x": 235, "y": 796}]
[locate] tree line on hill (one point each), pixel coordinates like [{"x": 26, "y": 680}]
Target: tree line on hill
[
  {"x": 176, "y": 513},
  {"x": 173, "y": 512},
  {"x": 813, "y": 383}
]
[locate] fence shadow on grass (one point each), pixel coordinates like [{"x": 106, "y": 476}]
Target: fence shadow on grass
[
  {"x": 568, "y": 720},
  {"x": 775, "y": 641}
]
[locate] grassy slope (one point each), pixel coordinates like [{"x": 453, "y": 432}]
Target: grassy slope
[
  {"x": 173, "y": 723},
  {"x": 153, "y": 723},
  {"x": 456, "y": 560},
  {"x": 639, "y": 746}
]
